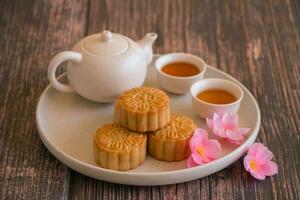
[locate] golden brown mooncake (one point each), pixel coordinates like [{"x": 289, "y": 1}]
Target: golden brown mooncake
[
  {"x": 118, "y": 148},
  {"x": 171, "y": 143},
  {"x": 143, "y": 109}
]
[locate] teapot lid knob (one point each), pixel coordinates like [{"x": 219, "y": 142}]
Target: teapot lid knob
[
  {"x": 105, "y": 43},
  {"x": 106, "y": 36}
]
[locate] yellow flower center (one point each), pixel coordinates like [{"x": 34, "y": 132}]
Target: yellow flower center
[
  {"x": 200, "y": 151},
  {"x": 253, "y": 165}
]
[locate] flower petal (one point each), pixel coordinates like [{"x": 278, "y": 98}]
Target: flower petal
[
  {"x": 220, "y": 132},
  {"x": 234, "y": 135},
  {"x": 263, "y": 155},
  {"x": 199, "y": 137},
  {"x": 254, "y": 148},
  {"x": 202, "y": 135},
  {"x": 191, "y": 162},
  {"x": 217, "y": 121},
  {"x": 257, "y": 175},
  {"x": 194, "y": 142},
  {"x": 212, "y": 149},
  {"x": 197, "y": 158},
  {"x": 247, "y": 161},
  {"x": 269, "y": 169},
  {"x": 230, "y": 121}
]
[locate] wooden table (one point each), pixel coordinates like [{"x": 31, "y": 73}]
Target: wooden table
[{"x": 257, "y": 42}]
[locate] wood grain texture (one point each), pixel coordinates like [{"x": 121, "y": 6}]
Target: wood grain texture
[
  {"x": 31, "y": 33},
  {"x": 256, "y": 41}
]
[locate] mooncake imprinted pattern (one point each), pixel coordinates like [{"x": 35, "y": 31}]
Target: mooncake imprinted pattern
[
  {"x": 143, "y": 99},
  {"x": 171, "y": 143},
  {"x": 143, "y": 109},
  {"x": 117, "y": 148},
  {"x": 179, "y": 126},
  {"x": 115, "y": 137}
]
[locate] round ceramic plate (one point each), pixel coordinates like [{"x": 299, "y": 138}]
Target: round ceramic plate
[{"x": 67, "y": 123}]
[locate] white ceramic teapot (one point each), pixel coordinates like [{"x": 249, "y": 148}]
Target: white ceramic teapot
[{"x": 104, "y": 65}]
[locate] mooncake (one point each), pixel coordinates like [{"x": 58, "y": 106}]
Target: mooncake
[
  {"x": 118, "y": 148},
  {"x": 171, "y": 143},
  {"x": 143, "y": 109}
]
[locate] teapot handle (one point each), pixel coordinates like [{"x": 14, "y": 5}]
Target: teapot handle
[{"x": 55, "y": 62}]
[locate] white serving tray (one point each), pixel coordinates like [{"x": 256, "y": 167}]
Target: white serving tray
[{"x": 66, "y": 123}]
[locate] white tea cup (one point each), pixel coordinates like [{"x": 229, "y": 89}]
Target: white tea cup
[
  {"x": 205, "y": 109},
  {"x": 176, "y": 84}
]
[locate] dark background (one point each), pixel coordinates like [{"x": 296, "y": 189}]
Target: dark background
[{"x": 256, "y": 41}]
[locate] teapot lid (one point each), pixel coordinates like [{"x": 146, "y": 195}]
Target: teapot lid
[{"x": 105, "y": 44}]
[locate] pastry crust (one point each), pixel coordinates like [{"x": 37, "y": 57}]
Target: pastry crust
[
  {"x": 171, "y": 143},
  {"x": 118, "y": 148},
  {"x": 143, "y": 109}
]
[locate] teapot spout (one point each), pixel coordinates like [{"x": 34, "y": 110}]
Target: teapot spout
[{"x": 146, "y": 44}]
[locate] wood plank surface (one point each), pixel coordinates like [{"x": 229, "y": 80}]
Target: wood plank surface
[
  {"x": 31, "y": 34},
  {"x": 255, "y": 41}
]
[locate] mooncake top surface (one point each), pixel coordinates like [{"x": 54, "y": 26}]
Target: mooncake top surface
[
  {"x": 179, "y": 127},
  {"x": 116, "y": 138},
  {"x": 143, "y": 99}
]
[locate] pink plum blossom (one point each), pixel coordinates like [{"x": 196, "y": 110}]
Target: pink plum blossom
[
  {"x": 258, "y": 162},
  {"x": 226, "y": 126},
  {"x": 203, "y": 150}
]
